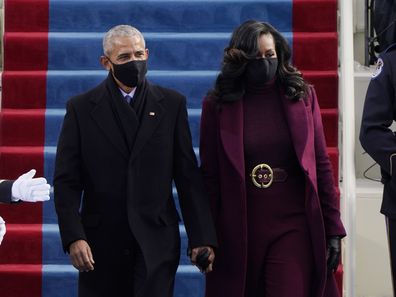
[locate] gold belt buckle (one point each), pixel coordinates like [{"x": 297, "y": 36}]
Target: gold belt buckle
[{"x": 263, "y": 172}]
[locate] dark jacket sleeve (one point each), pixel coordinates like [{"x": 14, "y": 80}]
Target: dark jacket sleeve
[
  {"x": 327, "y": 193},
  {"x": 376, "y": 137},
  {"x": 67, "y": 180},
  {"x": 5, "y": 191},
  {"x": 208, "y": 152},
  {"x": 192, "y": 197}
]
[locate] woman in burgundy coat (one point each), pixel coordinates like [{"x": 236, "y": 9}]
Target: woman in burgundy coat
[{"x": 266, "y": 168}]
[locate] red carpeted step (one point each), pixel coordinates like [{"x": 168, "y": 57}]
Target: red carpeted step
[
  {"x": 315, "y": 15},
  {"x": 31, "y": 16},
  {"x": 20, "y": 280},
  {"x": 338, "y": 276},
  {"x": 22, "y": 243},
  {"x": 330, "y": 126},
  {"x": 25, "y": 51},
  {"x": 22, "y": 127},
  {"x": 26, "y": 127},
  {"x": 315, "y": 51},
  {"x": 333, "y": 156},
  {"x": 24, "y": 89},
  {"x": 15, "y": 160},
  {"x": 23, "y": 213},
  {"x": 27, "y": 89},
  {"x": 308, "y": 15},
  {"x": 326, "y": 86}
]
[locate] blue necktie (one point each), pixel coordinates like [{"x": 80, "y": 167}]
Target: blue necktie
[{"x": 128, "y": 99}]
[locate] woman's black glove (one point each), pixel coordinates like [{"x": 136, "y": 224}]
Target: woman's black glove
[{"x": 333, "y": 252}]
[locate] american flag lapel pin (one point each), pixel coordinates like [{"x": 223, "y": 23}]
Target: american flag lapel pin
[{"x": 152, "y": 113}]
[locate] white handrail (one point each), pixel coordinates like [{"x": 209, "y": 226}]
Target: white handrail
[{"x": 347, "y": 104}]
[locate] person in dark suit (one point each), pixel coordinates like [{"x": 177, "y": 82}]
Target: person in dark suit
[
  {"x": 121, "y": 146},
  {"x": 267, "y": 171},
  {"x": 379, "y": 141},
  {"x": 25, "y": 188}
]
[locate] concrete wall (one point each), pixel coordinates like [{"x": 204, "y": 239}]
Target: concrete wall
[{"x": 358, "y": 21}]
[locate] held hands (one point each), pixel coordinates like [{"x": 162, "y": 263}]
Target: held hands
[
  {"x": 81, "y": 256},
  {"x": 203, "y": 258},
  {"x": 2, "y": 229},
  {"x": 29, "y": 189},
  {"x": 333, "y": 253}
]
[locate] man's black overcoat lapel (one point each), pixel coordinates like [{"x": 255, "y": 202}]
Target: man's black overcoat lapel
[
  {"x": 119, "y": 121},
  {"x": 153, "y": 111},
  {"x": 103, "y": 116}
]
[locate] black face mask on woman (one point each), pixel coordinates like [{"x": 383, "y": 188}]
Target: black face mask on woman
[
  {"x": 261, "y": 70},
  {"x": 130, "y": 73}
]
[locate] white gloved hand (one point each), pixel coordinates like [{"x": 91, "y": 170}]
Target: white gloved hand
[
  {"x": 2, "y": 229},
  {"x": 29, "y": 189}
]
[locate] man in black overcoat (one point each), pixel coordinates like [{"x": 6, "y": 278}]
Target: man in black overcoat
[{"x": 121, "y": 146}]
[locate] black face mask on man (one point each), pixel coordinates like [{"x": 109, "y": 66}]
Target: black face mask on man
[
  {"x": 131, "y": 73},
  {"x": 261, "y": 71}
]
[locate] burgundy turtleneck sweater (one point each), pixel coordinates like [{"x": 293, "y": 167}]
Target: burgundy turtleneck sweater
[{"x": 267, "y": 140}]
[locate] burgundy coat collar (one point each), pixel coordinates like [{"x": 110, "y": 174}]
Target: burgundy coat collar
[
  {"x": 297, "y": 120},
  {"x": 231, "y": 130},
  {"x": 231, "y": 134}
]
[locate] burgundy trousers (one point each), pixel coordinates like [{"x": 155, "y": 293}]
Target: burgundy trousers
[{"x": 280, "y": 256}]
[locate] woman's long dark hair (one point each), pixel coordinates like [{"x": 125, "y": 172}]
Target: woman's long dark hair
[{"x": 244, "y": 47}]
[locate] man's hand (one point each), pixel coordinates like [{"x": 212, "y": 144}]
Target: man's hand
[
  {"x": 81, "y": 256},
  {"x": 29, "y": 189},
  {"x": 2, "y": 229},
  {"x": 196, "y": 251}
]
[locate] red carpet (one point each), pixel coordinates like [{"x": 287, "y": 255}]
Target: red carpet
[
  {"x": 26, "y": 15},
  {"x": 314, "y": 20},
  {"x": 315, "y": 15},
  {"x": 24, "y": 89},
  {"x": 22, "y": 135},
  {"x": 28, "y": 249},
  {"x": 20, "y": 280},
  {"x": 25, "y": 50}
]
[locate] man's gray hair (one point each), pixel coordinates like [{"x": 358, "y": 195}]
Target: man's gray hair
[{"x": 119, "y": 31}]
